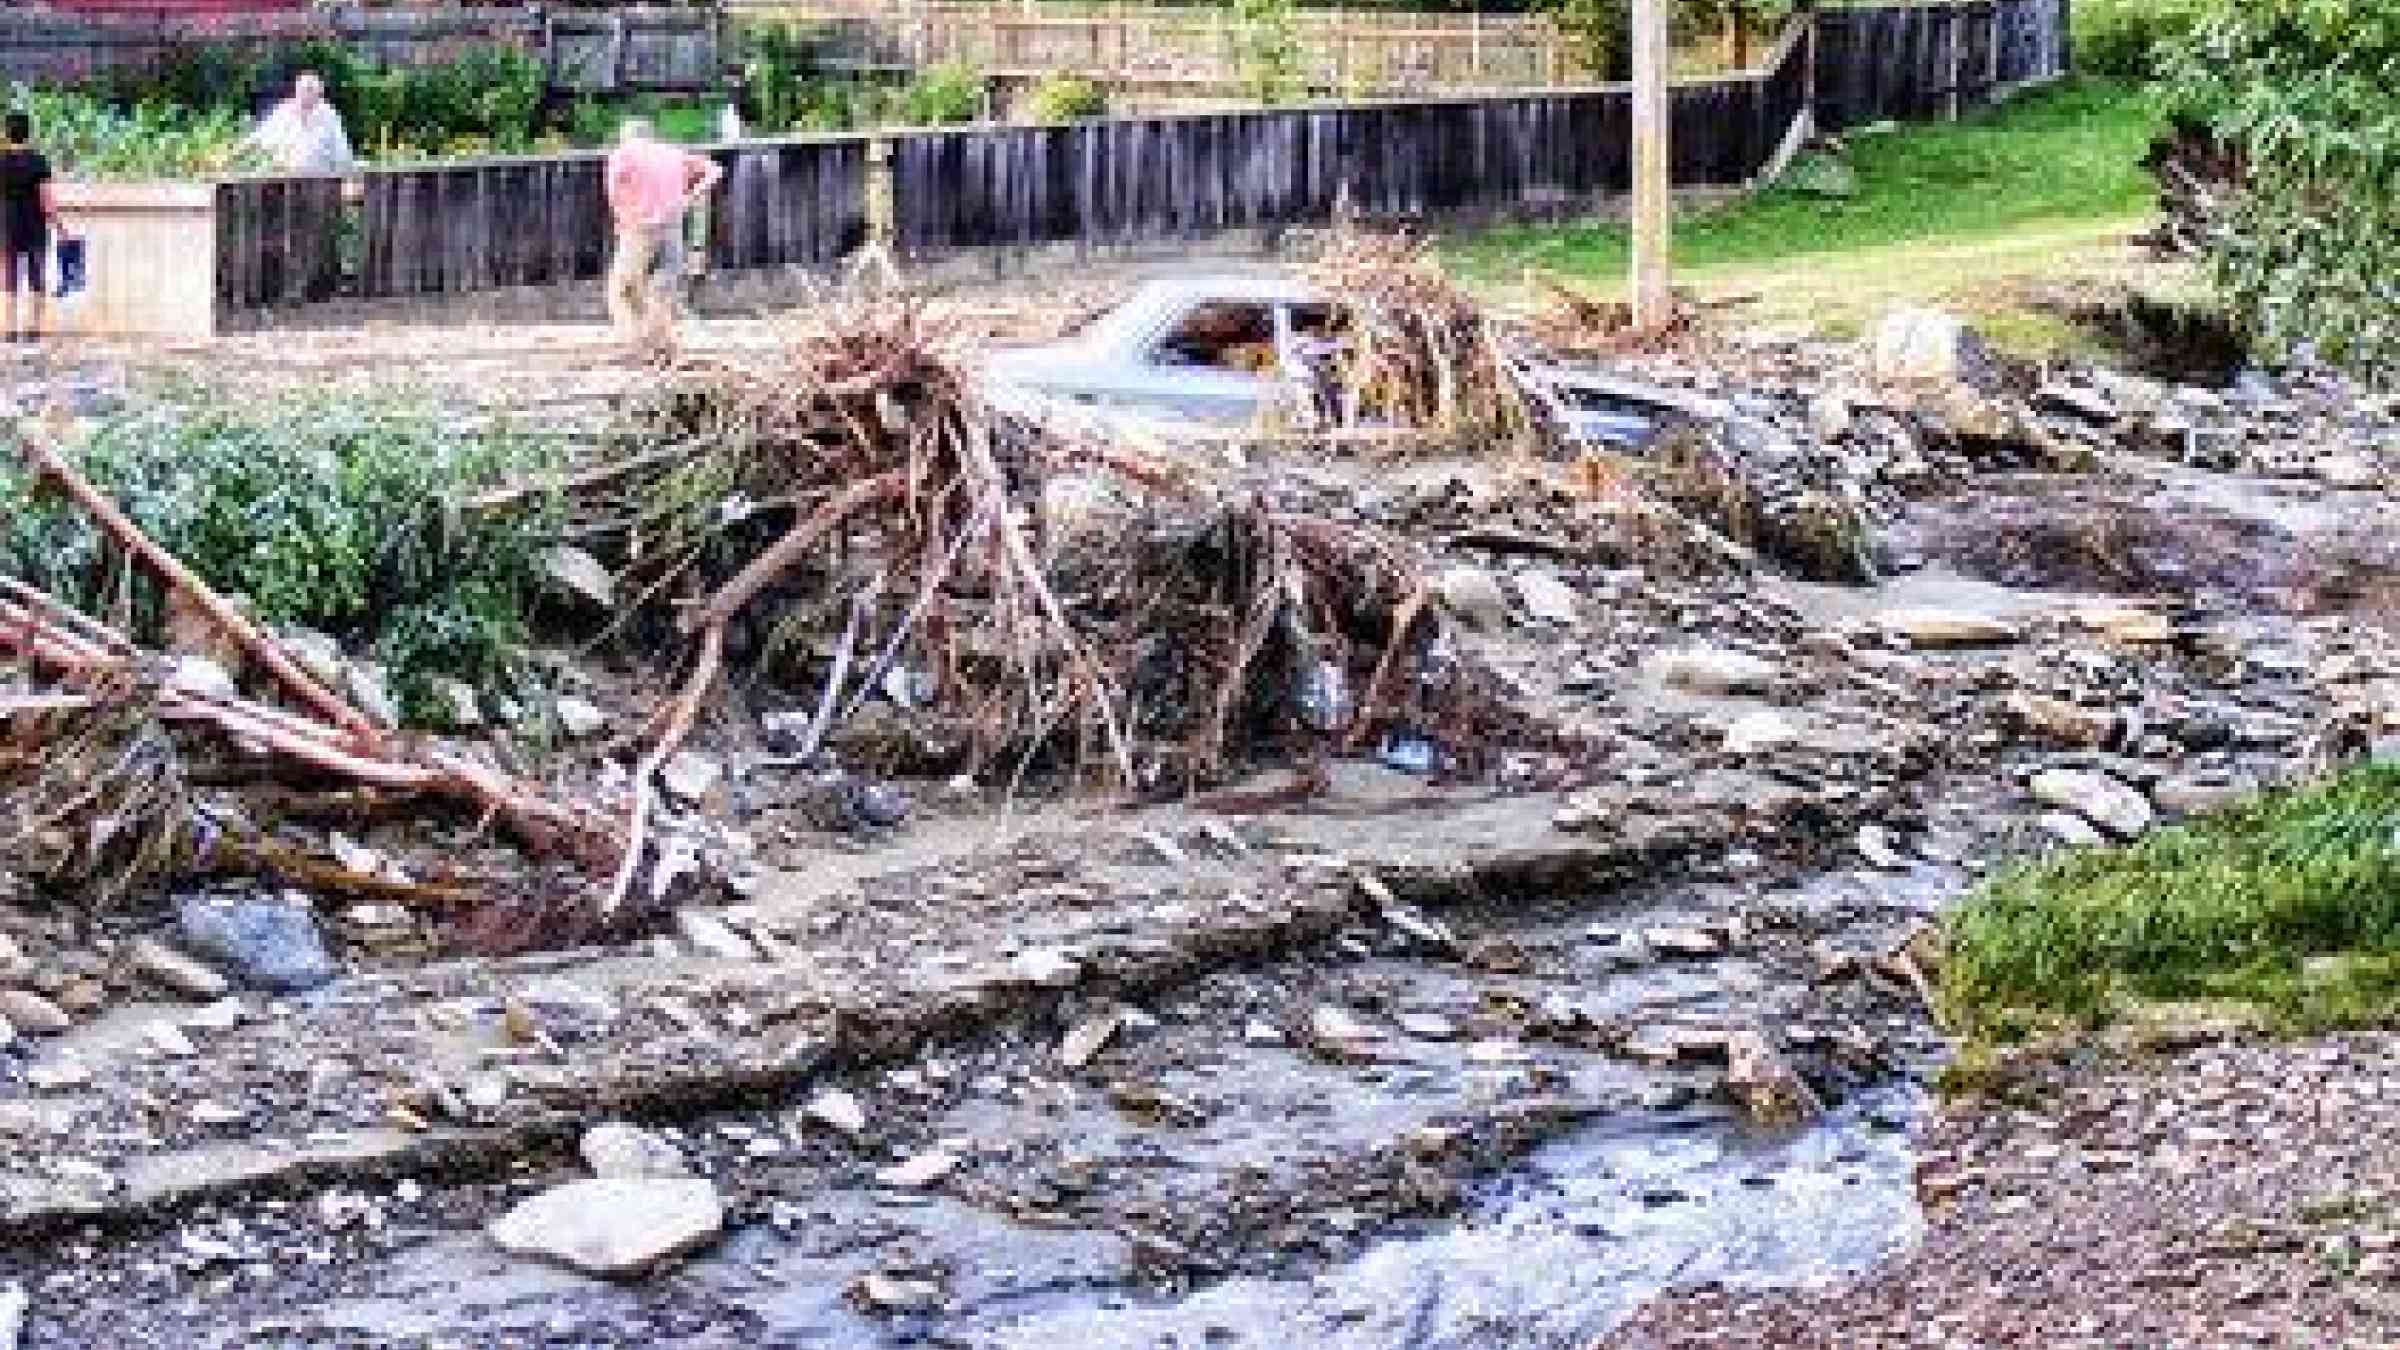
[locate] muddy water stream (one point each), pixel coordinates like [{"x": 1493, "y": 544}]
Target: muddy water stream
[{"x": 1660, "y": 1185}]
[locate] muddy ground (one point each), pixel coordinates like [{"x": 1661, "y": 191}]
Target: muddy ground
[{"x": 1404, "y": 1065}]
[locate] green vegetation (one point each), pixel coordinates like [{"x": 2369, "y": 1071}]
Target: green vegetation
[
  {"x": 782, "y": 92},
  {"x": 2069, "y": 153},
  {"x": 329, "y": 512},
  {"x": 2288, "y": 905},
  {"x": 1266, "y": 48},
  {"x": 941, "y": 95},
  {"x": 1065, "y": 98},
  {"x": 2123, "y": 39},
  {"x": 2302, "y": 91},
  {"x": 87, "y": 139}
]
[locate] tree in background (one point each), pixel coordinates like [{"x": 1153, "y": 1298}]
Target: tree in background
[
  {"x": 1601, "y": 32},
  {"x": 1266, "y": 48},
  {"x": 2296, "y": 98},
  {"x": 1600, "y": 29}
]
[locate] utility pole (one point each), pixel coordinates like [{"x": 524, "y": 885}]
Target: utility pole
[{"x": 1653, "y": 201}]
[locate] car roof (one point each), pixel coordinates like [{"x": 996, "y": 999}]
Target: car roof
[{"x": 1270, "y": 289}]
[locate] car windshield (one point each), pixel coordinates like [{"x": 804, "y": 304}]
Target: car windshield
[{"x": 1225, "y": 334}]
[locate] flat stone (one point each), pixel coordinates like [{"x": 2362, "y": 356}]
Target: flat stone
[
  {"x": 1472, "y": 596},
  {"x": 689, "y": 775},
  {"x": 1427, "y": 1026},
  {"x": 1712, "y": 670},
  {"x": 163, "y": 965},
  {"x": 838, "y": 1110},
  {"x": 1337, "y": 1030},
  {"x": 1046, "y": 967},
  {"x": 580, "y": 574},
  {"x": 1937, "y": 629},
  {"x": 613, "y": 1227},
  {"x": 1548, "y": 599},
  {"x": 1763, "y": 1083},
  {"x": 461, "y": 706},
  {"x": 370, "y": 687},
  {"x": 32, "y": 1014},
  {"x": 2175, "y": 796},
  {"x": 891, "y": 1293},
  {"x": 2077, "y": 401},
  {"x": 620, "y": 1152},
  {"x": 315, "y": 653},
  {"x": 2132, "y": 627},
  {"x": 1683, "y": 941},
  {"x": 169, "y": 1040},
  {"x": 920, "y": 1171},
  {"x": 1756, "y": 733},
  {"x": 266, "y": 944},
  {"x": 1086, "y": 1039},
  {"x": 2347, "y": 470},
  {"x": 1875, "y": 845},
  {"x": 580, "y": 717},
  {"x": 712, "y": 936},
  {"x": 2056, "y": 721},
  {"x": 200, "y": 675},
  {"x": 2115, "y": 808}
]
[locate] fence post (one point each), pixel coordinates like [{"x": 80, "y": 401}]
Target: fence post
[
  {"x": 1653, "y": 186},
  {"x": 1958, "y": 65},
  {"x": 883, "y": 206}
]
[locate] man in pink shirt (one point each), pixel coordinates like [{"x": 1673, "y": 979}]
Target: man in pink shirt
[{"x": 650, "y": 187}]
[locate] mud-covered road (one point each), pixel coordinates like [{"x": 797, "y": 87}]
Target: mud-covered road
[{"x": 1404, "y": 1066}]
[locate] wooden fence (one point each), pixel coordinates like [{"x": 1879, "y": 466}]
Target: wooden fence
[
  {"x": 1342, "y": 52},
  {"x": 586, "y": 51},
  {"x": 1918, "y": 61},
  {"x": 454, "y": 229},
  {"x": 450, "y": 229}
]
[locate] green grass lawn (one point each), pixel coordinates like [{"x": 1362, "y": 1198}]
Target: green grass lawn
[
  {"x": 2286, "y": 908},
  {"x": 2069, "y": 153},
  {"x": 1980, "y": 216}
]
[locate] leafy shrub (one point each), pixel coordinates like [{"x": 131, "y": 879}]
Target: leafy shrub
[
  {"x": 489, "y": 98},
  {"x": 2301, "y": 92},
  {"x": 332, "y": 513},
  {"x": 87, "y": 139},
  {"x": 943, "y": 94},
  {"x": 1066, "y": 98},
  {"x": 775, "y": 61},
  {"x": 2121, "y": 39}
]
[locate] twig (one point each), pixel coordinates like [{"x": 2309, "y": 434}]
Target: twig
[{"x": 678, "y": 725}]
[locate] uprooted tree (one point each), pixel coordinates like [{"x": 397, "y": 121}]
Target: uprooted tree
[{"x": 2284, "y": 170}]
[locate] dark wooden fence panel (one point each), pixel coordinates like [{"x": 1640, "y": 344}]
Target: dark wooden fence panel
[
  {"x": 1912, "y": 61},
  {"x": 278, "y": 241},
  {"x": 457, "y": 229},
  {"x": 788, "y": 203}
]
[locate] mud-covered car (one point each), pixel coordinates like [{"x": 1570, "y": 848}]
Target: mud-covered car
[{"x": 1223, "y": 351}]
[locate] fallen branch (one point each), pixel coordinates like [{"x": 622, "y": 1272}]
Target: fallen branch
[{"x": 51, "y": 465}]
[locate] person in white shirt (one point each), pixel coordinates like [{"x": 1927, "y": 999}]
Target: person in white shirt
[{"x": 305, "y": 134}]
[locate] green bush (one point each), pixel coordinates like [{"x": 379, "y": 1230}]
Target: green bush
[
  {"x": 331, "y": 513},
  {"x": 88, "y": 139},
  {"x": 2121, "y": 39},
  {"x": 943, "y": 94},
  {"x": 487, "y": 99},
  {"x": 1065, "y": 98}
]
